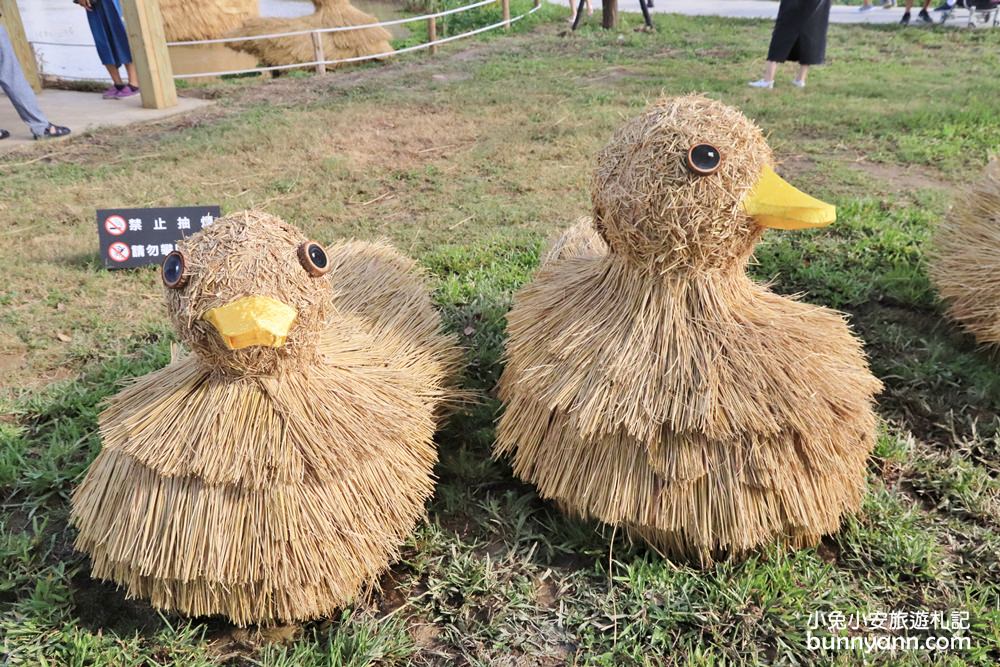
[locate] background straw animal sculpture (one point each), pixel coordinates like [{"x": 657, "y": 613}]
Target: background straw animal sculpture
[
  {"x": 270, "y": 484},
  {"x": 965, "y": 262},
  {"x": 204, "y": 19},
  {"x": 652, "y": 385},
  {"x": 299, "y": 49}
]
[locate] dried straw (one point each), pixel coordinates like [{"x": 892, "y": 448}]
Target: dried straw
[
  {"x": 197, "y": 19},
  {"x": 269, "y": 485},
  {"x": 299, "y": 48},
  {"x": 965, "y": 262},
  {"x": 654, "y": 386},
  {"x": 580, "y": 239}
]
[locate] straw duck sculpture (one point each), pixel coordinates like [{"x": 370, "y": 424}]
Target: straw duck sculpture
[
  {"x": 273, "y": 471},
  {"x": 651, "y": 384},
  {"x": 185, "y": 20},
  {"x": 965, "y": 261},
  {"x": 337, "y": 45}
]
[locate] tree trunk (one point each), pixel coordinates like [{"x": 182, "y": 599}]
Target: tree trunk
[{"x": 609, "y": 14}]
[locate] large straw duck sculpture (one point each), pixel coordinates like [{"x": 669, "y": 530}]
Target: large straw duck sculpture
[
  {"x": 652, "y": 385},
  {"x": 185, "y": 20},
  {"x": 337, "y": 45},
  {"x": 274, "y": 471},
  {"x": 965, "y": 262}
]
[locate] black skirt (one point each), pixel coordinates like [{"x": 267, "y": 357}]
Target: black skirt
[{"x": 800, "y": 32}]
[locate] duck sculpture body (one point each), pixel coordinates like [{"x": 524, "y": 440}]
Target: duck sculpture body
[
  {"x": 271, "y": 473},
  {"x": 965, "y": 259},
  {"x": 652, "y": 385}
]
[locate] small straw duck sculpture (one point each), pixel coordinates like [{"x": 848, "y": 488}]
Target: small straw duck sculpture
[
  {"x": 652, "y": 385},
  {"x": 274, "y": 471}
]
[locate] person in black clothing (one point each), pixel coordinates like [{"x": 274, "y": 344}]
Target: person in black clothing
[{"x": 799, "y": 35}]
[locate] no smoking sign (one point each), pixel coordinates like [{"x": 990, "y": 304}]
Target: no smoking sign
[
  {"x": 119, "y": 252},
  {"x": 131, "y": 237},
  {"x": 115, "y": 225}
]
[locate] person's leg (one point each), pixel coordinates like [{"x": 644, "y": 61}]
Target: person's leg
[
  {"x": 803, "y": 73},
  {"x": 133, "y": 78},
  {"x": 18, "y": 89},
  {"x": 906, "y": 13},
  {"x": 115, "y": 75},
  {"x": 924, "y": 14},
  {"x": 770, "y": 68}
]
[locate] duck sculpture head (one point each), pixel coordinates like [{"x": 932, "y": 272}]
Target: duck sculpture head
[
  {"x": 690, "y": 185},
  {"x": 248, "y": 294}
]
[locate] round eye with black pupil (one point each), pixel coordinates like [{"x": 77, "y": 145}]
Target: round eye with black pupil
[
  {"x": 172, "y": 270},
  {"x": 704, "y": 159},
  {"x": 313, "y": 258}
]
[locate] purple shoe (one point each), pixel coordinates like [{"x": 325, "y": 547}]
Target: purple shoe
[
  {"x": 111, "y": 93},
  {"x": 127, "y": 91}
]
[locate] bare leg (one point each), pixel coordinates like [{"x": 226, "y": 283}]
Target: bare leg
[
  {"x": 769, "y": 69},
  {"x": 133, "y": 78},
  {"x": 572, "y": 11},
  {"x": 803, "y": 73},
  {"x": 115, "y": 76},
  {"x": 590, "y": 9}
]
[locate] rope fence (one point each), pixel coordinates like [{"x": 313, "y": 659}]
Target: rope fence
[{"x": 320, "y": 62}]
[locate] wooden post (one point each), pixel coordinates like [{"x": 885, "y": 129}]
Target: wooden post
[
  {"x": 144, "y": 25},
  {"x": 609, "y": 14},
  {"x": 11, "y": 19},
  {"x": 318, "y": 52},
  {"x": 432, "y": 33},
  {"x": 506, "y": 14}
]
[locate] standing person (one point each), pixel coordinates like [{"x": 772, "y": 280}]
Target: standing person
[
  {"x": 17, "y": 88},
  {"x": 924, "y": 15},
  {"x": 799, "y": 35},
  {"x": 572, "y": 8},
  {"x": 108, "y": 28}
]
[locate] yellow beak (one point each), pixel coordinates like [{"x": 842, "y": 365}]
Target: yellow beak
[
  {"x": 252, "y": 320},
  {"x": 775, "y": 203}
]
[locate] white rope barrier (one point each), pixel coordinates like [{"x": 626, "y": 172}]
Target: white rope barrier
[
  {"x": 344, "y": 28},
  {"x": 341, "y": 61},
  {"x": 355, "y": 59}
]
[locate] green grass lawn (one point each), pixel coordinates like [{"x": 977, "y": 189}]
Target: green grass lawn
[{"x": 469, "y": 161}]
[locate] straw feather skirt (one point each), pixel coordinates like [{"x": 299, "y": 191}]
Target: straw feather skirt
[
  {"x": 299, "y": 49},
  {"x": 204, "y": 19},
  {"x": 965, "y": 261},
  {"x": 666, "y": 392},
  {"x": 271, "y": 485}
]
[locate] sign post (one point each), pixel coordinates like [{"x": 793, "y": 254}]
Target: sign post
[{"x": 144, "y": 25}]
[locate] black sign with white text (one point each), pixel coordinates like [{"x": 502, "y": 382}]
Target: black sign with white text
[{"x": 133, "y": 237}]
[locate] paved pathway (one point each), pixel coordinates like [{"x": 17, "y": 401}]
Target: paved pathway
[
  {"x": 84, "y": 111},
  {"x": 767, "y": 9}
]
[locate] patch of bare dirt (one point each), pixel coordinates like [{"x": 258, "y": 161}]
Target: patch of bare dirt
[
  {"x": 880, "y": 176},
  {"x": 900, "y": 178}
]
